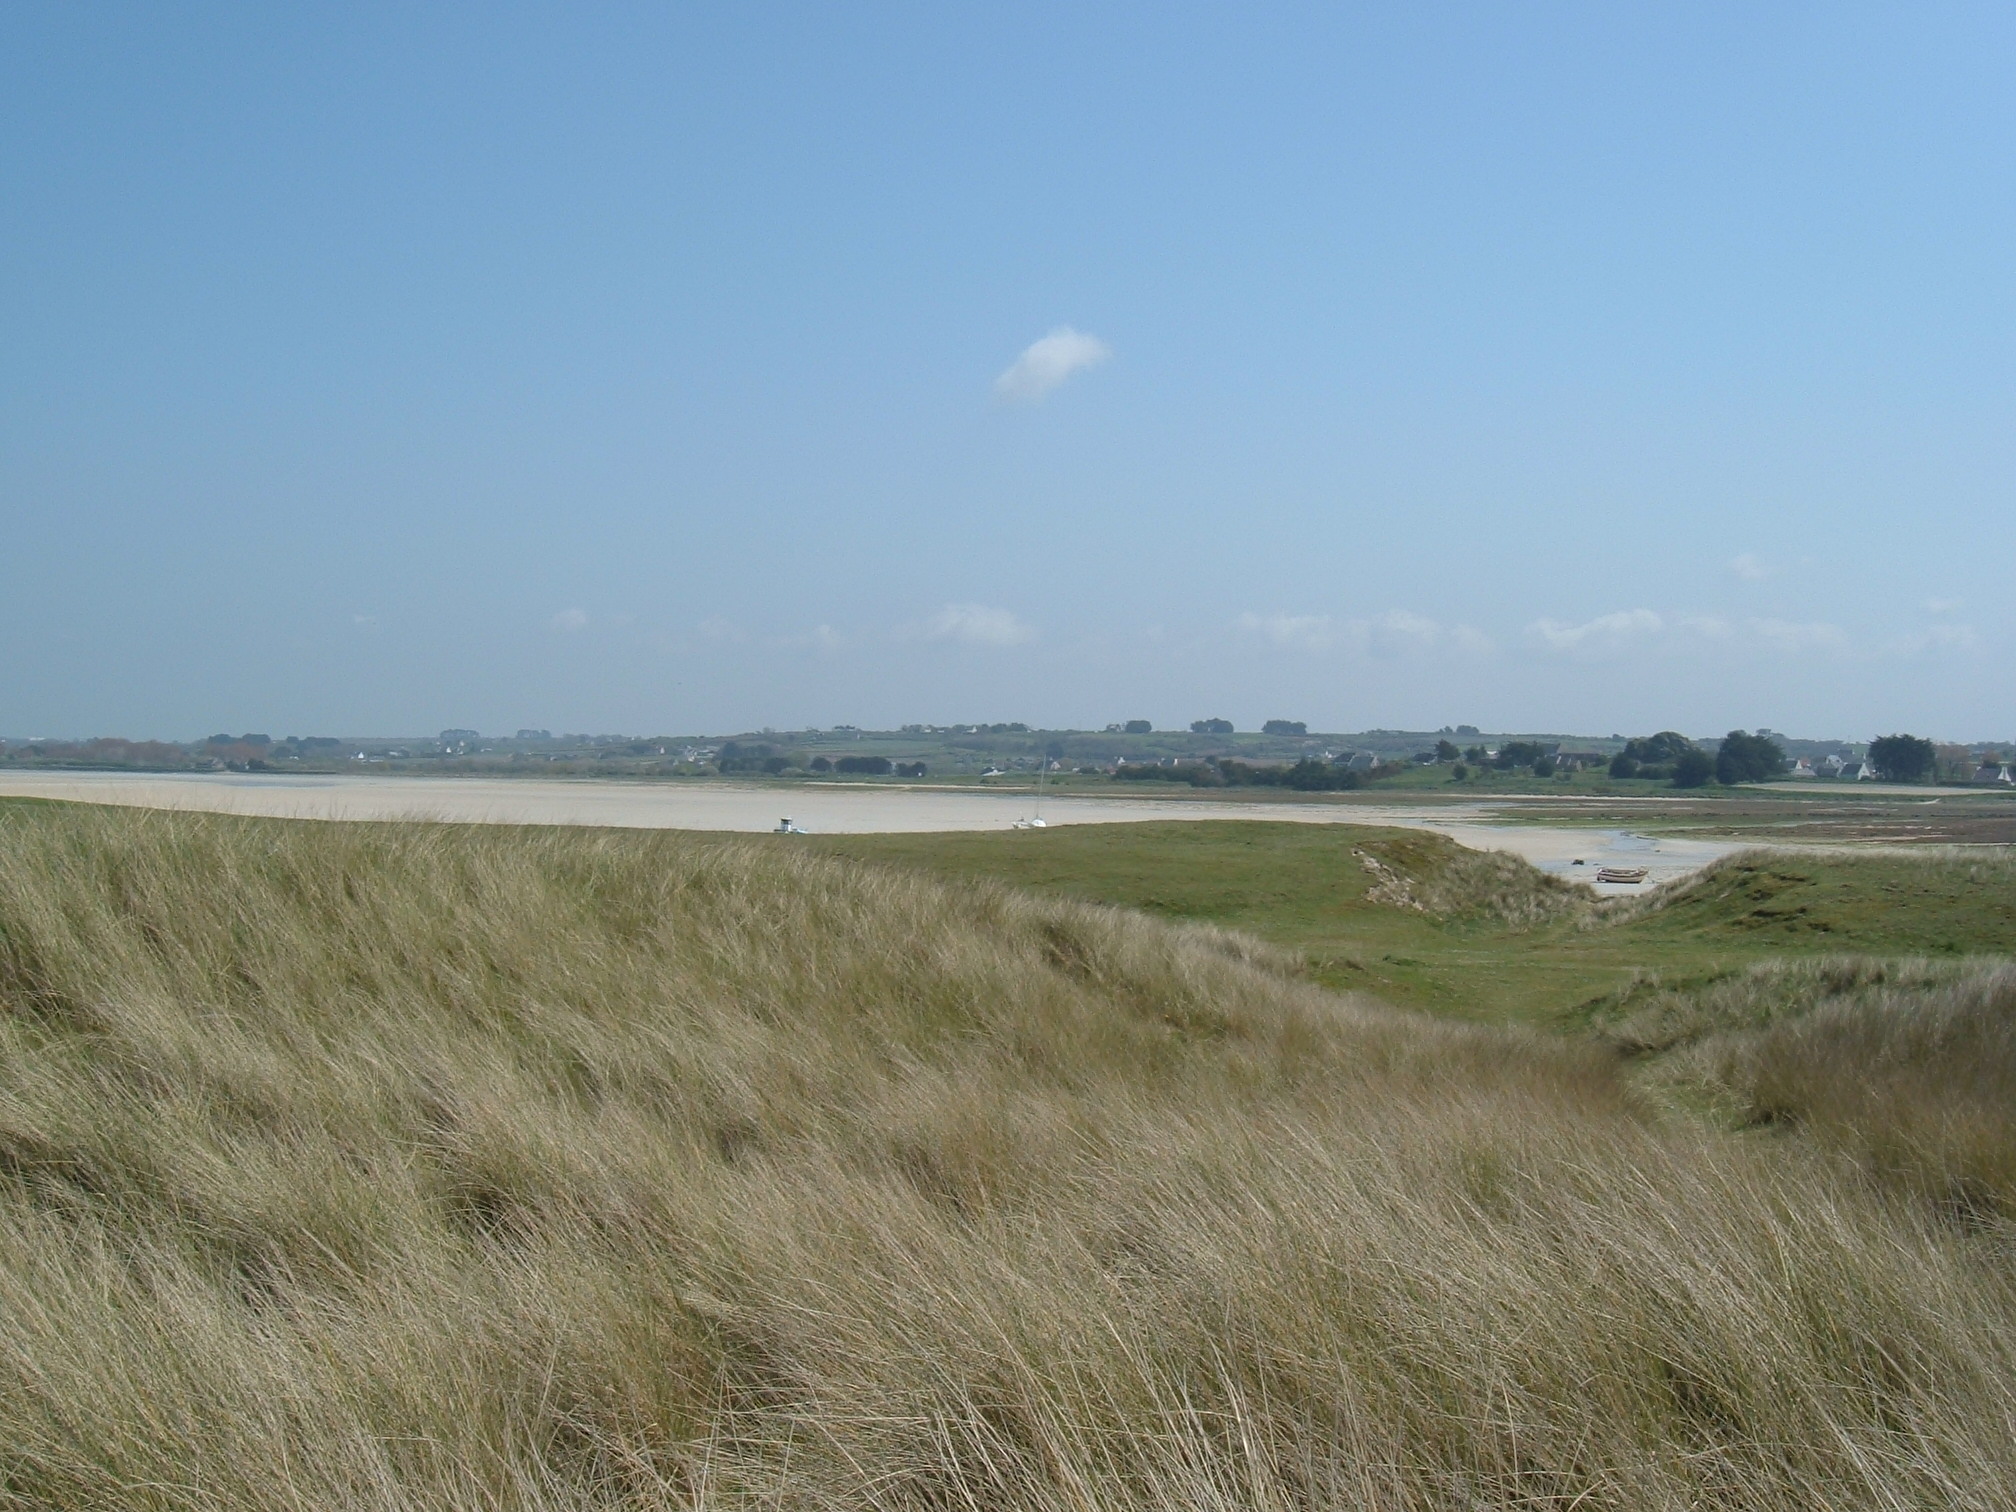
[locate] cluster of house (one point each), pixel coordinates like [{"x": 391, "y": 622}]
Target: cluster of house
[{"x": 1991, "y": 772}]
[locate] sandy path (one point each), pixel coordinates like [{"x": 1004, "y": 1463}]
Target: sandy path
[{"x": 822, "y": 809}]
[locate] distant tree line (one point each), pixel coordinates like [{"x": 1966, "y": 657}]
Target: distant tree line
[
  {"x": 1306, "y": 776},
  {"x": 1671, "y": 756}
]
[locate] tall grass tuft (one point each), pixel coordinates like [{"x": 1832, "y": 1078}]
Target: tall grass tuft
[
  {"x": 402, "y": 1166},
  {"x": 1909, "y": 1066}
]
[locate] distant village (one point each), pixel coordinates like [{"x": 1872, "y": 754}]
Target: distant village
[{"x": 1210, "y": 752}]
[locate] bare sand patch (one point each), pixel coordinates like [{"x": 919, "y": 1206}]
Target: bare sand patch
[{"x": 832, "y": 809}]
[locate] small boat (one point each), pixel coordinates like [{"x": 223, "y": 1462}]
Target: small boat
[
  {"x": 1035, "y": 820},
  {"x": 1624, "y": 874},
  {"x": 787, "y": 827}
]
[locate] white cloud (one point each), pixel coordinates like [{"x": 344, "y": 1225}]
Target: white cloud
[
  {"x": 1749, "y": 565},
  {"x": 719, "y": 629},
  {"x": 1942, "y": 605},
  {"x": 1048, "y": 362},
  {"x": 1605, "y": 632},
  {"x": 568, "y": 621},
  {"x": 1308, "y": 632},
  {"x": 1394, "y": 633},
  {"x": 978, "y": 625},
  {"x": 1938, "y": 638},
  {"x": 1713, "y": 626},
  {"x": 823, "y": 640},
  {"x": 1789, "y": 635}
]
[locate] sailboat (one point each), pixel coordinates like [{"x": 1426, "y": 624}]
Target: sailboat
[{"x": 1035, "y": 819}]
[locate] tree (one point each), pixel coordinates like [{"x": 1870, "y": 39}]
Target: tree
[
  {"x": 1277, "y": 727},
  {"x": 1474, "y": 755},
  {"x": 1459, "y": 773},
  {"x": 1657, "y": 750},
  {"x": 1653, "y": 756},
  {"x": 1693, "y": 768},
  {"x": 1748, "y": 758},
  {"x": 1139, "y": 727},
  {"x": 1902, "y": 758},
  {"x": 1211, "y": 727},
  {"x": 1521, "y": 753}
]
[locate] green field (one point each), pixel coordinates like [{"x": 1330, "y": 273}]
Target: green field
[{"x": 1308, "y": 887}]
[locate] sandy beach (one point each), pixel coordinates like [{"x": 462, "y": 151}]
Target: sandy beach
[{"x": 825, "y": 809}]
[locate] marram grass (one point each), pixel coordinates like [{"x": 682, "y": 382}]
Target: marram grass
[{"x": 407, "y": 1166}]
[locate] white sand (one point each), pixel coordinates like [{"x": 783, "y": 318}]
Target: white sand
[{"x": 821, "y": 809}]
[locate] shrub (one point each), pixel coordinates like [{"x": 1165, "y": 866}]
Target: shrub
[
  {"x": 1692, "y": 768},
  {"x": 1521, "y": 753},
  {"x": 865, "y": 766},
  {"x": 1660, "y": 750}
]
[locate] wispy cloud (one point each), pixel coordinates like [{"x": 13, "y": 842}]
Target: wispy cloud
[
  {"x": 1611, "y": 634},
  {"x": 1750, "y": 565},
  {"x": 1307, "y": 632},
  {"x": 1712, "y": 626},
  {"x": 1048, "y": 362},
  {"x": 1943, "y": 605},
  {"x": 823, "y": 640},
  {"x": 1938, "y": 638},
  {"x": 976, "y": 625},
  {"x": 1793, "y": 635},
  {"x": 1606, "y": 632},
  {"x": 568, "y": 621},
  {"x": 716, "y": 628},
  {"x": 1394, "y": 633}
]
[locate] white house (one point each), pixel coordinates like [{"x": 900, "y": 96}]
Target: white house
[{"x": 1994, "y": 774}]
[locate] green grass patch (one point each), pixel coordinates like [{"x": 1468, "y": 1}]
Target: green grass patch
[{"x": 1461, "y": 948}]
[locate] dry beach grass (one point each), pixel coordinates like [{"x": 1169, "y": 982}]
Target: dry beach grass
[{"x": 395, "y": 1166}]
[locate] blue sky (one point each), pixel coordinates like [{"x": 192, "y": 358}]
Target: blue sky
[{"x": 382, "y": 368}]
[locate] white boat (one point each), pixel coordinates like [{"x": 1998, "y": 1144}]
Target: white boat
[{"x": 1035, "y": 820}]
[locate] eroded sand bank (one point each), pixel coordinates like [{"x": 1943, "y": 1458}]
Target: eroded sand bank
[{"x": 828, "y": 809}]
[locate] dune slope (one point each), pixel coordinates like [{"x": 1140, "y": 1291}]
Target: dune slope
[{"x": 381, "y": 1166}]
